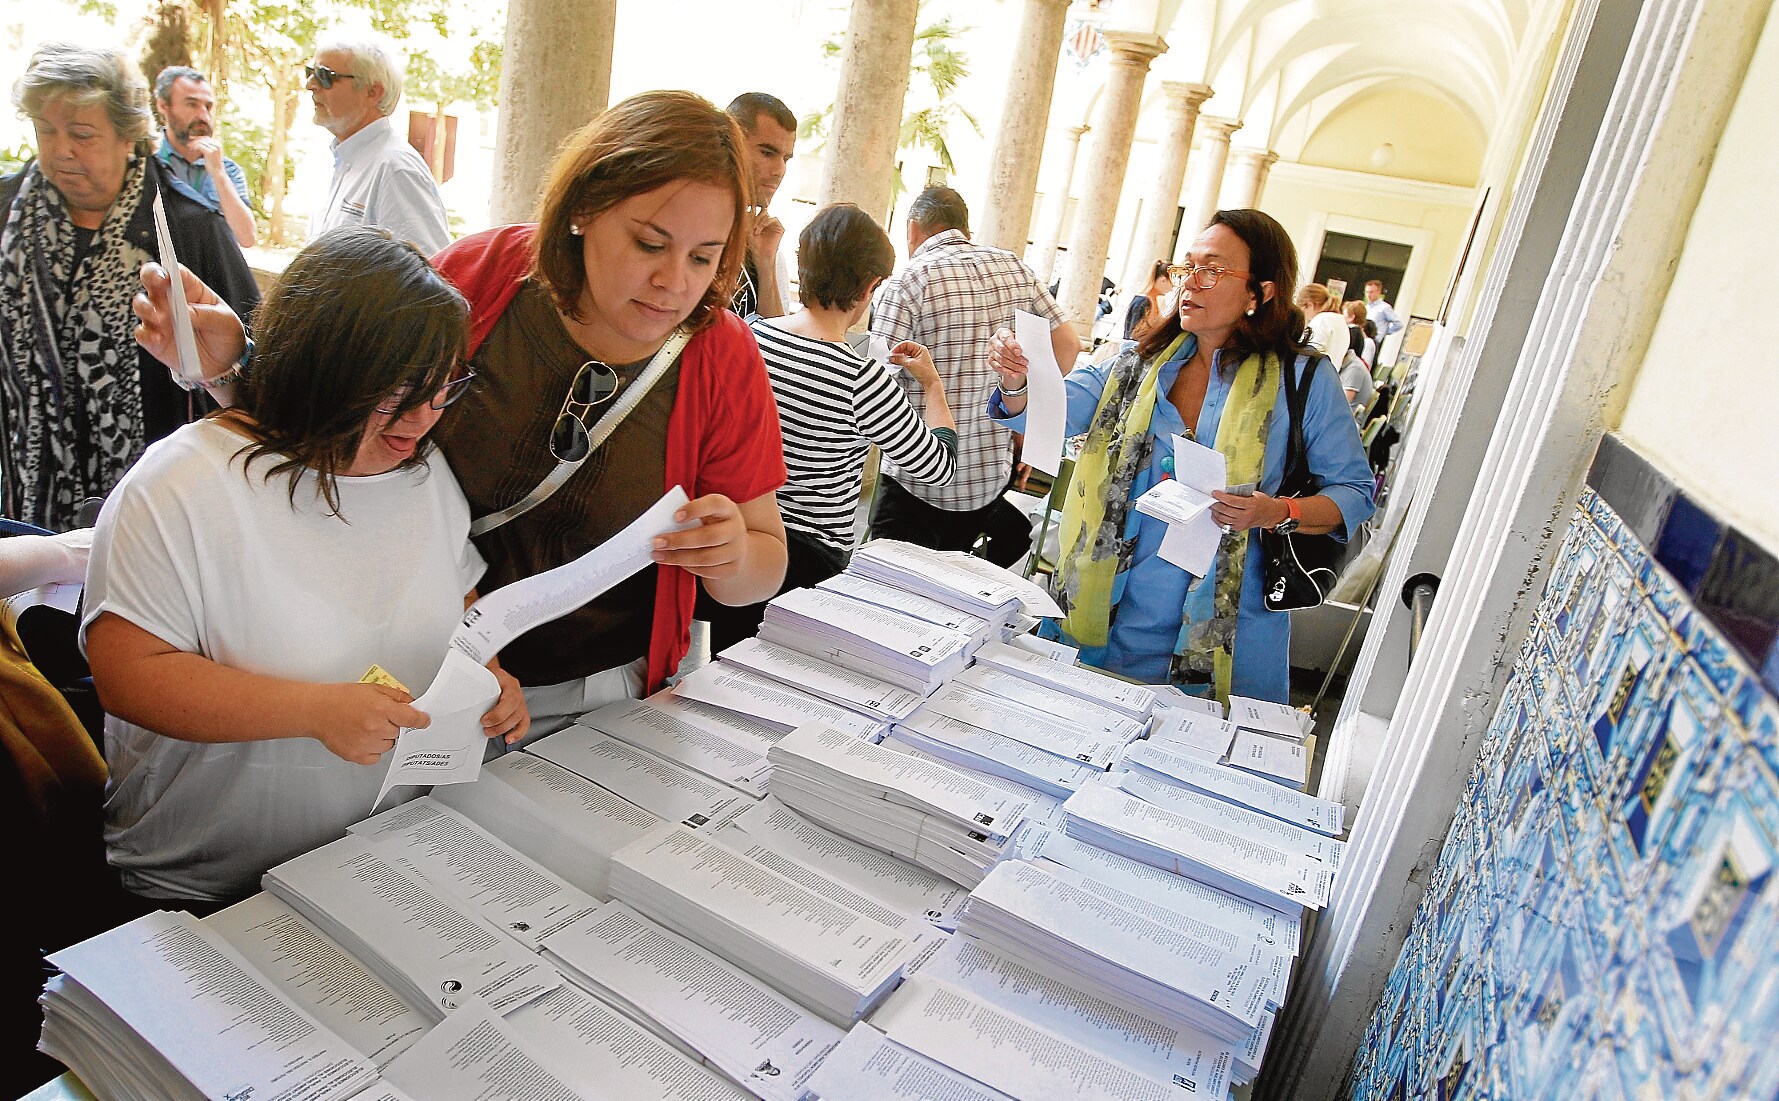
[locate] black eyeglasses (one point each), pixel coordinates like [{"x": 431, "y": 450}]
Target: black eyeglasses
[
  {"x": 447, "y": 394},
  {"x": 324, "y": 76},
  {"x": 593, "y": 385}
]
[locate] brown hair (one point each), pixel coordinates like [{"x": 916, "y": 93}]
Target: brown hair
[
  {"x": 839, "y": 253},
  {"x": 354, "y": 317},
  {"x": 1277, "y": 324},
  {"x": 1355, "y": 311},
  {"x": 1314, "y": 298},
  {"x": 645, "y": 142}
]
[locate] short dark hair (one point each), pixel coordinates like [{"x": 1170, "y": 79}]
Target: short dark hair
[
  {"x": 647, "y": 141},
  {"x": 1277, "y": 324},
  {"x": 940, "y": 208},
  {"x": 747, "y": 108},
  {"x": 839, "y": 253},
  {"x": 163, "y": 82},
  {"x": 1378, "y": 283},
  {"x": 356, "y": 315}
]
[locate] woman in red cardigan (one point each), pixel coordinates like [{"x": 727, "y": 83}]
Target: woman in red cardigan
[{"x": 573, "y": 321}]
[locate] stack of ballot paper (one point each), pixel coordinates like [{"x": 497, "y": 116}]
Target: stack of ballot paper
[
  {"x": 437, "y": 950},
  {"x": 1267, "y": 717},
  {"x": 1194, "y": 732},
  {"x": 664, "y": 788},
  {"x": 832, "y": 959},
  {"x": 869, "y": 1066},
  {"x": 695, "y": 998},
  {"x": 1034, "y": 697},
  {"x": 565, "y": 1046},
  {"x": 866, "y": 694},
  {"x": 724, "y": 745},
  {"x": 565, "y": 822},
  {"x": 859, "y": 587},
  {"x": 928, "y": 814},
  {"x": 762, "y": 700},
  {"x": 1176, "y": 764},
  {"x": 971, "y": 584},
  {"x": 1136, "y": 701},
  {"x": 1187, "y": 972},
  {"x": 1284, "y": 761},
  {"x": 1042, "y": 811},
  {"x": 1257, "y": 828},
  {"x": 164, "y": 1007},
  {"x": 1200, "y": 842},
  {"x": 868, "y": 639},
  {"x": 971, "y": 744}
]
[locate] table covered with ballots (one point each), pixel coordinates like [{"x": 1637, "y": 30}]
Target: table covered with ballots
[{"x": 895, "y": 847}]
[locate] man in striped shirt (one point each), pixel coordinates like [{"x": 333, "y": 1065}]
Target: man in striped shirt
[{"x": 951, "y": 297}]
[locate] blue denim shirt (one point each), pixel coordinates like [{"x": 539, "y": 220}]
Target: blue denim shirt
[
  {"x": 1149, "y": 599},
  {"x": 196, "y": 178}
]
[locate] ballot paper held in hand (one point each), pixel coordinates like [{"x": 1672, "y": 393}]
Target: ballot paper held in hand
[
  {"x": 188, "y": 370},
  {"x": 1046, "y": 404},
  {"x": 1183, "y": 503},
  {"x": 449, "y": 750}
]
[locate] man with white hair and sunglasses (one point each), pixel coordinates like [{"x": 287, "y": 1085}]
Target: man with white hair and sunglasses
[{"x": 379, "y": 179}]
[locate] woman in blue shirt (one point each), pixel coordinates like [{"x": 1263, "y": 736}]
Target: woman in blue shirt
[{"x": 1212, "y": 373}]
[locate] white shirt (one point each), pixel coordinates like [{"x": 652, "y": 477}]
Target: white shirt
[
  {"x": 1383, "y": 315},
  {"x": 219, "y": 563},
  {"x": 379, "y": 180},
  {"x": 1328, "y": 334}
]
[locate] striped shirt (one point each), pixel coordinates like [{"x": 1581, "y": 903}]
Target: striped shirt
[
  {"x": 952, "y": 296},
  {"x": 832, "y": 405}
]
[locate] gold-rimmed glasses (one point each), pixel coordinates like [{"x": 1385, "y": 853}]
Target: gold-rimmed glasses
[{"x": 1201, "y": 277}]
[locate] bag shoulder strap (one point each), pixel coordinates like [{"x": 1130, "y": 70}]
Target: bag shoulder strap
[{"x": 1297, "y": 461}]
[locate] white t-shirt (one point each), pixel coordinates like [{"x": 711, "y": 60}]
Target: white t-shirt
[{"x": 221, "y": 564}]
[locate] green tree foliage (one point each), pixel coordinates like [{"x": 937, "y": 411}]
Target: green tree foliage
[{"x": 936, "y": 69}]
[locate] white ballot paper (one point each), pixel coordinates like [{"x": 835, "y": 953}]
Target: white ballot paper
[
  {"x": 1261, "y": 829},
  {"x": 1250, "y": 921},
  {"x": 1235, "y": 786},
  {"x": 437, "y": 951},
  {"x": 1155, "y": 1047},
  {"x": 1193, "y": 732},
  {"x": 1171, "y": 697},
  {"x": 1268, "y": 717},
  {"x": 869, "y": 1066},
  {"x": 184, "y": 340},
  {"x": 641, "y": 724},
  {"x": 745, "y": 1028},
  {"x": 969, "y": 1033},
  {"x": 1283, "y": 760},
  {"x": 450, "y": 750},
  {"x": 215, "y": 1021},
  {"x": 460, "y": 858},
  {"x": 1047, "y": 648},
  {"x": 780, "y": 831},
  {"x": 510, "y": 611},
  {"x": 63, "y": 596},
  {"x": 661, "y": 787},
  {"x": 565, "y": 822},
  {"x": 310, "y": 968},
  {"x": 877, "y": 698},
  {"x": 1046, "y": 404},
  {"x": 723, "y": 685},
  {"x": 1184, "y": 501},
  {"x": 602, "y": 1053},
  {"x": 1135, "y": 700},
  {"x": 877, "y": 348}
]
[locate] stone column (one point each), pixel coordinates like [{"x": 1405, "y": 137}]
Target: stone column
[
  {"x": 1042, "y": 257},
  {"x": 1155, "y": 233},
  {"x": 1266, "y": 162},
  {"x": 1113, "y": 127},
  {"x": 1019, "y": 140},
  {"x": 861, "y": 154},
  {"x": 1241, "y": 178},
  {"x": 555, "y": 77},
  {"x": 1207, "y": 179}
]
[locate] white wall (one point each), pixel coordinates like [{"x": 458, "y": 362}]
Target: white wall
[{"x": 1706, "y": 402}]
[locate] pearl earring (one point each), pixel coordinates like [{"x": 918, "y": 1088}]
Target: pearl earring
[
  {"x": 1250, "y": 311},
  {"x": 576, "y": 231}
]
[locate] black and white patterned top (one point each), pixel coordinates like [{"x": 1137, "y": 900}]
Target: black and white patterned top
[
  {"x": 832, "y": 405},
  {"x": 952, "y": 296}
]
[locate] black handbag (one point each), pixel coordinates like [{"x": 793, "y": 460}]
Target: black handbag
[{"x": 1299, "y": 570}]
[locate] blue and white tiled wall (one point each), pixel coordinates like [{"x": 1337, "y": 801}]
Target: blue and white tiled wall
[{"x": 1604, "y": 918}]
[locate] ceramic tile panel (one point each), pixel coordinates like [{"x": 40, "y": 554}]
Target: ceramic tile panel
[{"x": 1603, "y": 922}]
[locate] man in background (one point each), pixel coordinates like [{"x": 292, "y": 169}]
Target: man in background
[
  {"x": 951, "y": 296},
  {"x": 771, "y": 132},
  {"x": 192, "y": 153},
  {"x": 1379, "y": 312},
  {"x": 379, "y": 179}
]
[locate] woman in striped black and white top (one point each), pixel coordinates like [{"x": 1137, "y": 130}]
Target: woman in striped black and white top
[{"x": 833, "y": 404}]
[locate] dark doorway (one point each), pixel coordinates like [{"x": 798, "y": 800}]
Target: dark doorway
[{"x": 1360, "y": 259}]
